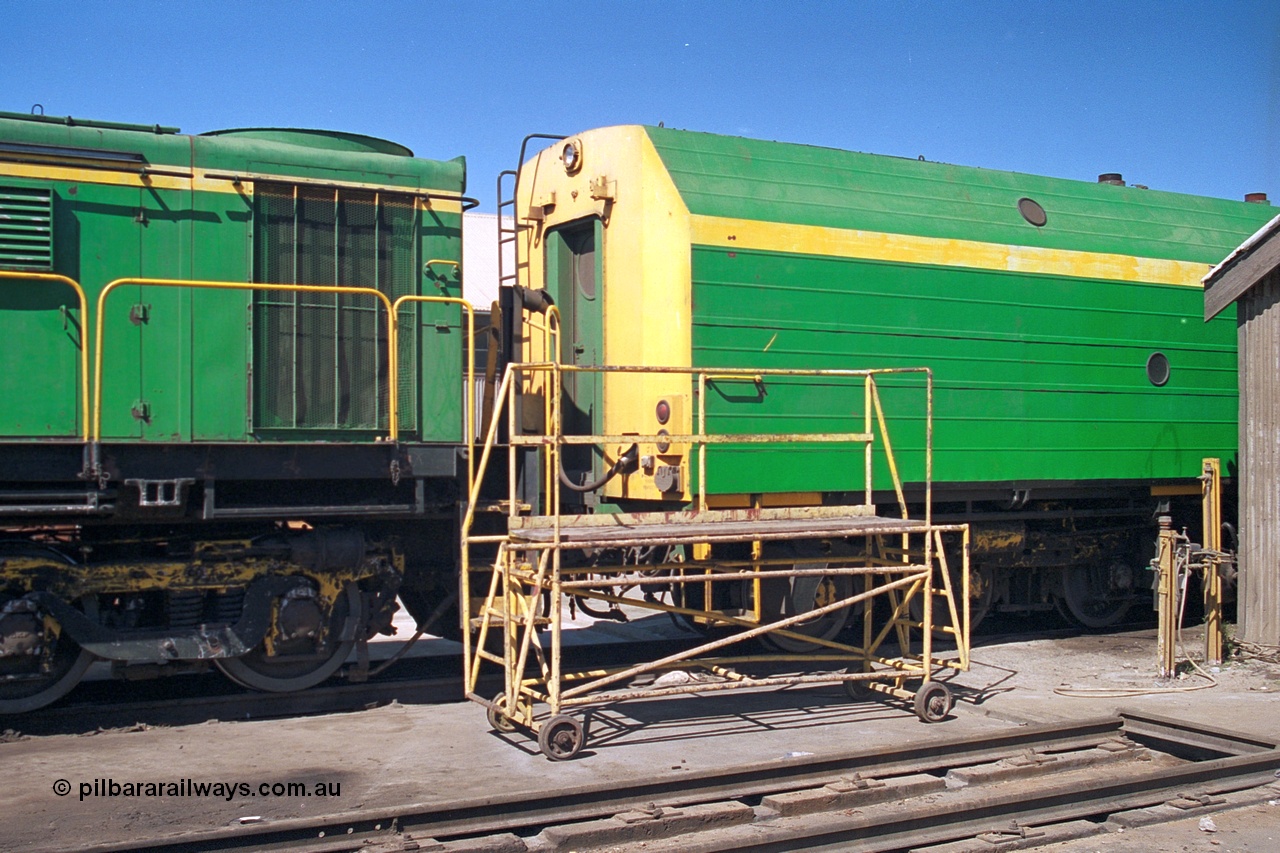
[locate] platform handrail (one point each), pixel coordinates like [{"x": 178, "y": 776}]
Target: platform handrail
[
  {"x": 393, "y": 359},
  {"x": 553, "y": 438},
  {"x": 201, "y": 284},
  {"x": 84, "y": 328}
]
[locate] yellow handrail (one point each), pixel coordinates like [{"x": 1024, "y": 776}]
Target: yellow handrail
[
  {"x": 552, "y": 438},
  {"x": 221, "y": 285},
  {"x": 394, "y": 361},
  {"x": 84, "y": 327}
]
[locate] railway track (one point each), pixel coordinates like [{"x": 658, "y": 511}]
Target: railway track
[{"x": 1022, "y": 788}]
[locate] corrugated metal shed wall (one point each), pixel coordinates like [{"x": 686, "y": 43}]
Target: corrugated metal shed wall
[{"x": 1259, "y": 335}]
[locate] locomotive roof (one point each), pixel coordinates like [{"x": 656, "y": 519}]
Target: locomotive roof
[
  {"x": 735, "y": 177},
  {"x": 302, "y": 153}
]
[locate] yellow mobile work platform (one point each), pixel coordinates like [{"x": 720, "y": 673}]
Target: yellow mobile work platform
[{"x": 720, "y": 571}]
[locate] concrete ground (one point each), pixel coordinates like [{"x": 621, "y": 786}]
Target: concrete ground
[{"x": 400, "y": 755}]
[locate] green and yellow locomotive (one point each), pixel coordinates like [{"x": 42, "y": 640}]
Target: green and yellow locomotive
[
  {"x": 236, "y": 420},
  {"x": 232, "y": 426},
  {"x": 1076, "y": 387}
]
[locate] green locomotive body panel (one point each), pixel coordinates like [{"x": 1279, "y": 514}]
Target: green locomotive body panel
[
  {"x": 1037, "y": 303},
  {"x": 1039, "y": 376},
  {"x": 196, "y": 365},
  {"x": 1036, "y": 378}
]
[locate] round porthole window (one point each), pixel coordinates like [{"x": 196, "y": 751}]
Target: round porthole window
[
  {"x": 1032, "y": 211},
  {"x": 1158, "y": 368}
]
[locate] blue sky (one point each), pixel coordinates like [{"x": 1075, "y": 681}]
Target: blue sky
[{"x": 1181, "y": 96}]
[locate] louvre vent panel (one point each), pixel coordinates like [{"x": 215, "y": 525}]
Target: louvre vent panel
[
  {"x": 321, "y": 358},
  {"x": 26, "y": 228}
]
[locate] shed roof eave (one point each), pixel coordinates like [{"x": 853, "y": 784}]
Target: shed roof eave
[{"x": 1227, "y": 281}]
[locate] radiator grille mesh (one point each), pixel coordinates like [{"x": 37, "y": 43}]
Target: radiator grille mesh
[{"x": 321, "y": 358}]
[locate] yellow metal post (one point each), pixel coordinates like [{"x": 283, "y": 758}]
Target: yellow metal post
[
  {"x": 1166, "y": 603},
  {"x": 1211, "y": 513}
]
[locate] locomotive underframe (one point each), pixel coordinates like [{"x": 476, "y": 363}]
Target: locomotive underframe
[
  {"x": 278, "y": 611},
  {"x": 187, "y": 555}
]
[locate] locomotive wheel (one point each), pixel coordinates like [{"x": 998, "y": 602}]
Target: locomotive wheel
[
  {"x": 933, "y": 702},
  {"x": 856, "y": 690},
  {"x": 499, "y": 721},
  {"x": 31, "y": 682},
  {"x": 1097, "y": 597},
  {"x": 31, "y": 689},
  {"x": 28, "y": 682},
  {"x": 561, "y": 737},
  {"x": 982, "y": 587},
  {"x": 693, "y": 595},
  {"x": 787, "y": 597},
  {"x": 297, "y": 664}
]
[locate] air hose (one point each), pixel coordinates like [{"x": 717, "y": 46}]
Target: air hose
[{"x": 626, "y": 462}]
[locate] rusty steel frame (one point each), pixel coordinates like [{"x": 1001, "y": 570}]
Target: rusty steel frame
[
  {"x": 1211, "y": 523},
  {"x": 528, "y": 572},
  {"x": 1176, "y": 557}
]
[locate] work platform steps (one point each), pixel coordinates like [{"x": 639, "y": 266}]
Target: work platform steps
[{"x": 708, "y": 526}]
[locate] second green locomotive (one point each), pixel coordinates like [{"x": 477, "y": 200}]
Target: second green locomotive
[{"x": 195, "y": 467}]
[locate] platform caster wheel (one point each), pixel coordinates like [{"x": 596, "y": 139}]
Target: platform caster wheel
[
  {"x": 498, "y": 720},
  {"x": 561, "y": 737},
  {"x": 933, "y": 702}
]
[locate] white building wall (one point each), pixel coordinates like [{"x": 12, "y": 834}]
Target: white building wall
[{"x": 480, "y": 259}]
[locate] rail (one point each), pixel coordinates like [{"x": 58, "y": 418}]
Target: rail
[{"x": 833, "y": 801}]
